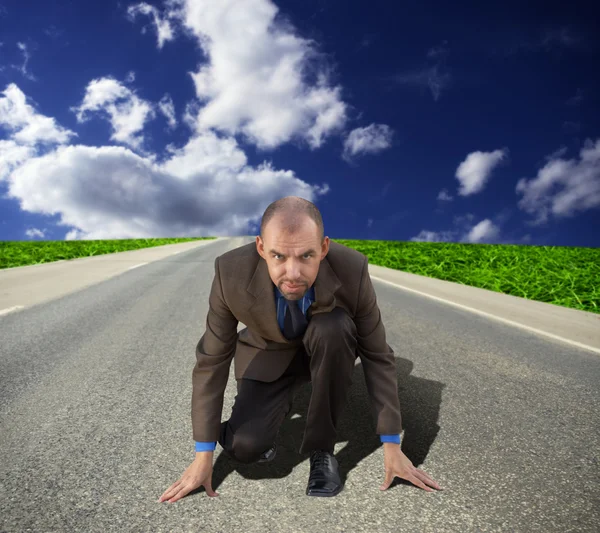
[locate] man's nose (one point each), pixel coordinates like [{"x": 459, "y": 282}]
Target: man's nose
[{"x": 293, "y": 273}]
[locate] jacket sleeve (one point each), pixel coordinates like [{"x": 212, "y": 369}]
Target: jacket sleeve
[
  {"x": 379, "y": 363},
  {"x": 214, "y": 353}
]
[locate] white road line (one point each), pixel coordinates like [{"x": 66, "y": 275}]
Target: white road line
[
  {"x": 10, "y": 309},
  {"x": 17, "y": 307},
  {"x": 135, "y": 266},
  {"x": 488, "y": 315}
]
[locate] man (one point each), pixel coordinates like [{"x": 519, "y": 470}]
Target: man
[{"x": 310, "y": 310}]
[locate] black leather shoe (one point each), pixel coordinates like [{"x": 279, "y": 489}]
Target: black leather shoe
[
  {"x": 324, "y": 479},
  {"x": 269, "y": 455}
]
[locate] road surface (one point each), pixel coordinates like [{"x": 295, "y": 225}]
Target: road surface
[{"x": 95, "y": 416}]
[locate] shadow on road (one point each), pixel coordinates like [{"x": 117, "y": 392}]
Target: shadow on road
[{"x": 420, "y": 401}]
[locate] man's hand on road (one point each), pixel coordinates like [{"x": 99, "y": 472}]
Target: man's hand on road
[
  {"x": 397, "y": 464},
  {"x": 197, "y": 474}
]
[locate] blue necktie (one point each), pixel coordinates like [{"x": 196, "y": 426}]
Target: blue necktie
[{"x": 294, "y": 323}]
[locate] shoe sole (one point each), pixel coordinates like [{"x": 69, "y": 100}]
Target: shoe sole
[{"x": 325, "y": 494}]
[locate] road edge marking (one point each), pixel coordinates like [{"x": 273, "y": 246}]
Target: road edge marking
[
  {"x": 489, "y": 315},
  {"x": 10, "y": 309},
  {"x": 135, "y": 266}
]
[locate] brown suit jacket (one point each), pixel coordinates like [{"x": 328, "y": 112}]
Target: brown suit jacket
[{"x": 242, "y": 291}]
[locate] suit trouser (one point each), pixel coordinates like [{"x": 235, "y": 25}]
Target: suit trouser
[{"x": 326, "y": 359}]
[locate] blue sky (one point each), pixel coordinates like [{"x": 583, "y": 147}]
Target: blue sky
[{"x": 401, "y": 121}]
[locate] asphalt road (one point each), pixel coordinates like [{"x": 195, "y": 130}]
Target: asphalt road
[{"x": 95, "y": 420}]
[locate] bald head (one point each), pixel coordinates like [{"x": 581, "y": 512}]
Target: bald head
[{"x": 290, "y": 214}]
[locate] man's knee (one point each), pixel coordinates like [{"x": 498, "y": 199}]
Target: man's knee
[
  {"x": 247, "y": 446},
  {"x": 333, "y": 330}
]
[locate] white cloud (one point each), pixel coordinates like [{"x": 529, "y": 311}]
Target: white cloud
[
  {"x": 466, "y": 230},
  {"x": 436, "y": 77},
  {"x": 563, "y": 186},
  {"x": 475, "y": 170},
  {"x": 444, "y": 196},
  {"x": 260, "y": 80},
  {"x": 110, "y": 192},
  {"x": 126, "y": 111},
  {"x": 12, "y": 155},
  {"x": 549, "y": 40},
  {"x": 484, "y": 231},
  {"x": 167, "y": 108},
  {"x": 34, "y": 232},
  {"x": 432, "y": 77},
  {"x": 53, "y": 32},
  {"x": 372, "y": 139},
  {"x": 557, "y": 153},
  {"x": 256, "y": 79},
  {"x": 164, "y": 31},
  {"x": 26, "y": 57},
  {"x": 190, "y": 113},
  {"x": 25, "y": 124},
  {"x": 438, "y": 52},
  {"x": 562, "y": 36},
  {"x": 433, "y": 236},
  {"x": 205, "y": 154}
]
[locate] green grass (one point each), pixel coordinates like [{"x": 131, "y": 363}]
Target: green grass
[
  {"x": 22, "y": 253},
  {"x": 559, "y": 275}
]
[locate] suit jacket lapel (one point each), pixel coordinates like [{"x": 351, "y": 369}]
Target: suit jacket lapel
[
  {"x": 263, "y": 310},
  {"x": 326, "y": 284}
]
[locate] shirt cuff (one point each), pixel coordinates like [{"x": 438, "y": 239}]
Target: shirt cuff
[
  {"x": 390, "y": 438},
  {"x": 206, "y": 446}
]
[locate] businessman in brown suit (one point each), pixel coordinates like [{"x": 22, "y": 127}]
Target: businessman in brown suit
[{"x": 310, "y": 311}]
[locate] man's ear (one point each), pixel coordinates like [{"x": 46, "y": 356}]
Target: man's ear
[
  {"x": 259, "y": 246},
  {"x": 325, "y": 248}
]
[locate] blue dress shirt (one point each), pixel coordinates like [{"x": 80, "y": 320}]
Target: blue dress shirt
[{"x": 304, "y": 304}]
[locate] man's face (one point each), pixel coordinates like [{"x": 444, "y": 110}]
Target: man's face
[{"x": 293, "y": 260}]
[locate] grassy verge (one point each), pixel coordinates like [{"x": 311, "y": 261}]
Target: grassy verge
[
  {"x": 22, "y": 253},
  {"x": 559, "y": 275}
]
